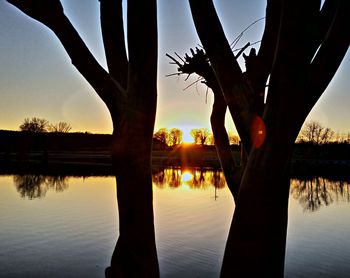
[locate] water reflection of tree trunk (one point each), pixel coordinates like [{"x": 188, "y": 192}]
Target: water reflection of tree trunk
[{"x": 135, "y": 253}]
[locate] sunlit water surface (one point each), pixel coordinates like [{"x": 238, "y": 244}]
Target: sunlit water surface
[{"x": 67, "y": 226}]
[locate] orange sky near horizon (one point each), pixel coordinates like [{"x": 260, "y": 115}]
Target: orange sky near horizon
[{"x": 37, "y": 78}]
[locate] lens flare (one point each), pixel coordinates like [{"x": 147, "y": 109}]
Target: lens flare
[{"x": 258, "y": 132}]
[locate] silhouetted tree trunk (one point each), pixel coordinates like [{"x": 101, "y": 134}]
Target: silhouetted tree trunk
[
  {"x": 301, "y": 49},
  {"x": 231, "y": 171},
  {"x": 130, "y": 93},
  {"x": 198, "y": 63}
]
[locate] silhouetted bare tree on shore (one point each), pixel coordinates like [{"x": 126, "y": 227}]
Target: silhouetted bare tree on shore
[
  {"x": 34, "y": 125},
  {"x": 61, "y": 127},
  {"x": 175, "y": 137},
  {"x": 200, "y": 135},
  {"x": 162, "y": 135},
  {"x": 130, "y": 95},
  {"x": 314, "y": 132},
  {"x": 301, "y": 49}
]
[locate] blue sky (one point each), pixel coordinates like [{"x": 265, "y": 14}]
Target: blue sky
[{"x": 38, "y": 79}]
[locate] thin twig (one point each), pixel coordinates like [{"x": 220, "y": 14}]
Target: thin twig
[
  {"x": 238, "y": 49},
  {"x": 173, "y": 59},
  {"x": 256, "y": 21},
  {"x": 206, "y": 95},
  {"x": 242, "y": 49},
  {"x": 256, "y": 42},
  {"x": 193, "y": 83},
  {"x": 235, "y": 41},
  {"x": 199, "y": 78},
  {"x": 172, "y": 74},
  {"x": 179, "y": 57}
]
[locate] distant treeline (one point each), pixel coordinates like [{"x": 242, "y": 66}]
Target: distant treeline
[
  {"x": 85, "y": 153},
  {"x": 329, "y": 151},
  {"x": 16, "y": 141},
  {"x": 19, "y": 141}
]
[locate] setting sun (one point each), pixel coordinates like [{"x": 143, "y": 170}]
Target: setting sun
[
  {"x": 186, "y": 137},
  {"x": 186, "y": 176}
]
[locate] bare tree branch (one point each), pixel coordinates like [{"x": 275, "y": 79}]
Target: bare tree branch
[
  {"x": 294, "y": 53},
  {"x": 111, "y": 12},
  {"x": 326, "y": 18},
  {"x": 53, "y": 17},
  {"x": 217, "y": 119},
  {"x": 261, "y": 66},
  {"x": 242, "y": 50},
  {"x": 331, "y": 53},
  {"x": 85, "y": 62},
  {"x": 43, "y": 11},
  {"x": 238, "y": 95},
  {"x": 198, "y": 63}
]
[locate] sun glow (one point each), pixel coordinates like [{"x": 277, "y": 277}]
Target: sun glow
[
  {"x": 186, "y": 137},
  {"x": 186, "y": 177}
]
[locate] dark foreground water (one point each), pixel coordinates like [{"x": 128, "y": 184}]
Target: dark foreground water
[{"x": 67, "y": 226}]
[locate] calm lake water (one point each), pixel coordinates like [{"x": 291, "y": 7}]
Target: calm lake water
[{"x": 68, "y": 226}]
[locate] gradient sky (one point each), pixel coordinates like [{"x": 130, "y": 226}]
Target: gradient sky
[{"x": 38, "y": 79}]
